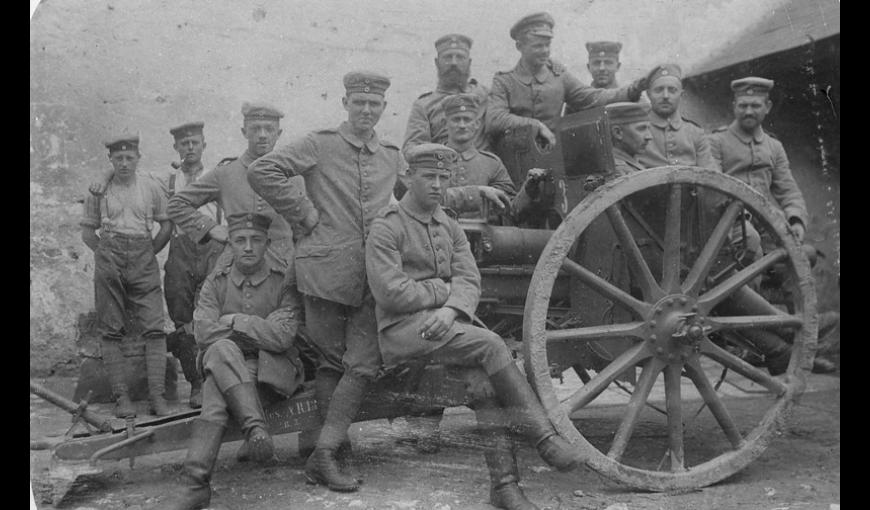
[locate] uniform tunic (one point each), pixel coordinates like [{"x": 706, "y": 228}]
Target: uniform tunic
[
  {"x": 411, "y": 255},
  {"x": 676, "y": 141},
  {"x": 227, "y": 185},
  {"x": 760, "y": 161},
  {"x": 256, "y": 343},
  {"x": 478, "y": 168},
  {"x": 125, "y": 266},
  {"x": 517, "y": 97},
  {"x": 427, "y": 123},
  {"x": 624, "y": 163}
]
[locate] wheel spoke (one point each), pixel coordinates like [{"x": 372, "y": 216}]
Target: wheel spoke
[
  {"x": 671, "y": 261},
  {"x": 695, "y": 279},
  {"x": 754, "y": 322},
  {"x": 637, "y": 264},
  {"x": 674, "y": 403},
  {"x": 711, "y": 398},
  {"x": 713, "y": 297},
  {"x": 743, "y": 368},
  {"x": 634, "y": 407},
  {"x": 628, "y": 359},
  {"x": 596, "y": 332},
  {"x": 606, "y": 288}
]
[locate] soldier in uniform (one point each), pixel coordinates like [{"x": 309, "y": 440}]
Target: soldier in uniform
[
  {"x": 629, "y": 135},
  {"x": 349, "y": 174},
  {"x": 426, "y": 288},
  {"x": 246, "y": 320},
  {"x": 227, "y": 186},
  {"x": 676, "y": 140},
  {"x": 603, "y": 63},
  {"x": 188, "y": 263},
  {"x": 529, "y": 98},
  {"x": 745, "y": 151},
  {"x": 126, "y": 271},
  {"x": 426, "y": 123}
]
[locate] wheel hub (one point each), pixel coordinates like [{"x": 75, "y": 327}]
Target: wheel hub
[{"x": 675, "y": 328}]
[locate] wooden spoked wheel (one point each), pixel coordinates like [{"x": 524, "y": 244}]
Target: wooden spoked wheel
[{"x": 676, "y": 329}]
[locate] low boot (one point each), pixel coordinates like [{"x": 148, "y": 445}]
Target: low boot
[
  {"x": 195, "y": 492},
  {"x": 501, "y": 460},
  {"x": 244, "y": 403},
  {"x": 116, "y": 368},
  {"x": 322, "y": 466},
  {"x": 527, "y": 414},
  {"x": 155, "y": 366}
]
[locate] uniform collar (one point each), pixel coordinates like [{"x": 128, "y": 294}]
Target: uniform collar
[
  {"x": 525, "y": 76},
  {"x": 257, "y": 278},
  {"x": 468, "y": 87},
  {"x": 675, "y": 121},
  {"x": 758, "y": 136},
  {"x": 247, "y": 158},
  {"x": 347, "y": 133},
  {"x": 410, "y": 207},
  {"x": 628, "y": 158},
  {"x": 468, "y": 153}
]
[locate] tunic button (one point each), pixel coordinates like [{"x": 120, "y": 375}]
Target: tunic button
[
  {"x": 259, "y": 207},
  {"x": 248, "y": 295},
  {"x": 247, "y": 305}
]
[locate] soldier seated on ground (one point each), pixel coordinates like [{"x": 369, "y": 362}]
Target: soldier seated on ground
[
  {"x": 245, "y": 324},
  {"x": 426, "y": 288}
]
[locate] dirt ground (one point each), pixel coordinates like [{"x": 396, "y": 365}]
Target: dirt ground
[{"x": 800, "y": 470}]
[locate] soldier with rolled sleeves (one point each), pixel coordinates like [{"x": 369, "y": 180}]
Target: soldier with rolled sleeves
[
  {"x": 188, "y": 263},
  {"x": 426, "y": 123},
  {"x": 245, "y": 322},
  {"x": 126, "y": 270},
  {"x": 745, "y": 151},
  {"x": 629, "y": 135},
  {"x": 676, "y": 140},
  {"x": 349, "y": 174},
  {"x": 530, "y": 96},
  {"x": 603, "y": 63},
  {"x": 227, "y": 186},
  {"x": 426, "y": 288}
]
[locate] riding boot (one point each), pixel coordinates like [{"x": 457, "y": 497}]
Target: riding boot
[
  {"x": 324, "y": 385},
  {"x": 776, "y": 351},
  {"x": 322, "y": 466},
  {"x": 529, "y": 417},
  {"x": 186, "y": 354},
  {"x": 501, "y": 460},
  {"x": 205, "y": 443},
  {"x": 244, "y": 404},
  {"x": 116, "y": 368},
  {"x": 155, "y": 368}
]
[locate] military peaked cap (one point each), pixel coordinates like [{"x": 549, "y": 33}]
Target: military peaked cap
[
  {"x": 751, "y": 86},
  {"x": 187, "y": 129},
  {"x": 254, "y": 221},
  {"x": 627, "y": 113},
  {"x": 367, "y": 82},
  {"x": 666, "y": 70},
  {"x": 123, "y": 142},
  {"x": 260, "y": 110},
  {"x": 459, "y": 103},
  {"x": 453, "y": 41},
  {"x": 604, "y": 48},
  {"x": 539, "y": 23},
  {"x": 432, "y": 155}
]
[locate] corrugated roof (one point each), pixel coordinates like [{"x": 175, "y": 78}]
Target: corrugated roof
[{"x": 792, "y": 24}]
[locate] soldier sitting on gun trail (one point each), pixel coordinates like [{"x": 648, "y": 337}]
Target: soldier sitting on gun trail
[
  {"x": 126, "y": 271},
  {"x": 246, "y": 322},
  {"x": 426, "y": 288}
]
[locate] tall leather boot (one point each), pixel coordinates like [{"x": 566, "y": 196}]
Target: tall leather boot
[
  {"x": 244, "y": 403},
  {"x": 155, "y": 367},
  {"x": 527, "y": 414},
  {"x": 185, "y": 352},
  {"x": 322, "y": 466},
  {"x": 116, "y": 368},
  {"x": 325, "y": 383},
  {"x": 499, "y": 452},
  {"x": 775, "y": 350},
  {"x": 195, "y": 493}
]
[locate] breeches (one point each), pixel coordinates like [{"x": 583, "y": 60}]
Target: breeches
[
  {"x": 346, "y": 337},
  {"x": 475, "y": 347}
]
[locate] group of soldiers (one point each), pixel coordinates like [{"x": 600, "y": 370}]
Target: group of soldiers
[{"x": 350, "y": 235}]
